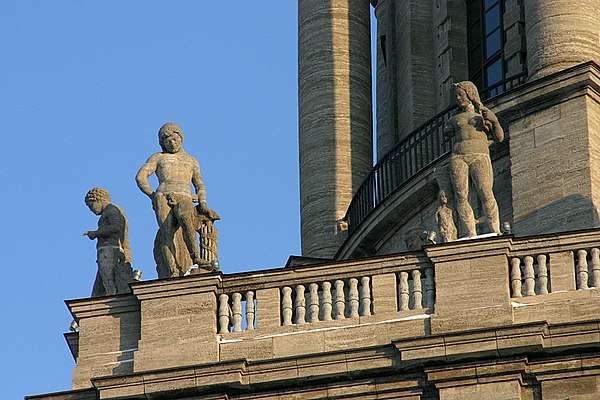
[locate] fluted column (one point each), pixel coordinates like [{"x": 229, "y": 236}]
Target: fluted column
[
  {"x": 335, "y": 120},
  {"x": 561, "y": 34}
]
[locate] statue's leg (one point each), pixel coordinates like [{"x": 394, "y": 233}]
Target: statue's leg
[
  {"x": 483, "y": 177},
  {"x": 108, "y": 258},
  {"x": 185, "y": 212},
  {"x": 167, "y": 227},
  {"x": 459, "y": 174}
]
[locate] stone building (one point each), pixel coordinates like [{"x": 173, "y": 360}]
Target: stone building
[{"x": 370, "y": 310}]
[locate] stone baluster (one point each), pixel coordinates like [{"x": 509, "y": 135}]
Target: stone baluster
[
  {"x": 340, "y": 302},
  {"x": 236, "y": 310},
  {"x": 403, "y": 290},
  {"x": 286, "y": 305},
  {"x": 313, "y": 303},
  {"x": 250, "y": 310},
  {"x": 224, "y": 313},
  {"x": 582, "y": 270},
  {"x": 529, "y": 277},
  {"x": 595, "y": 253},
  {"x": 300, "y": 305},
  {"x": 542, "y": 274},
  {"x": 326, "y": 305},
  {"x": 417, "y": 293},
  {"x": 515, "y": 277},
  {"x": 353, "y": 298},
  {"x": 365, "y": 296},
  {"x": 429, "y": 288}
]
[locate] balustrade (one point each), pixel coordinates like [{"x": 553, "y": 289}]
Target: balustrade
[
  {"x": 410, "y": 289},
  {"x": 231, "y": 312},
  {"x": 587, "y": 272},
  {"x": 351, "y": 301},
  {"x": 529, "y": 276}
]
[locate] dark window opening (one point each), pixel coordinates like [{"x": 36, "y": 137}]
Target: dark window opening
[{"x": 487, "y": 67}]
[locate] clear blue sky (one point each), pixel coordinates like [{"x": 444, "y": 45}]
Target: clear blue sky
[{"x": 84, "y": 88}]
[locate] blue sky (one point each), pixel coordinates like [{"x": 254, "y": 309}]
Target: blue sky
[{"x": 85, "y": 86}]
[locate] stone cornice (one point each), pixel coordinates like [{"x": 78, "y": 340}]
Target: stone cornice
[
  {"x": 98, "y": 306},
  {"x": 545, "y": 92},
  {"x": 176, "y": 286}
]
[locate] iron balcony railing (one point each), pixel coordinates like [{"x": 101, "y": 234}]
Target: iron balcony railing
[
  {"x": 414, "y": 153},
  {"x": 417, "y": 151}
]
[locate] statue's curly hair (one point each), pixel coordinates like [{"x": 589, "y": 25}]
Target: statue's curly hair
[
  {"x": 97, "y": 194},
  {"x": 472, "y": 94},
  {"x": 168, "y": 129}
]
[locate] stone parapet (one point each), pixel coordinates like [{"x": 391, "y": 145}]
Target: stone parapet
[
  {"x": 455, "y": 301},
  {"x": 109, "y": 330}
]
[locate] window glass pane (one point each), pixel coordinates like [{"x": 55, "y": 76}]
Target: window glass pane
[
  {"x": 492, "y": 43},
  {"x": 489, "y": 3},
  {"x": 492, "y": 19},
  {"x": 493, "y": 72}
]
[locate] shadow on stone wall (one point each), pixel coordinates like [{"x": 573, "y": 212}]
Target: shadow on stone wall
[{"x": 568, "y": 213}]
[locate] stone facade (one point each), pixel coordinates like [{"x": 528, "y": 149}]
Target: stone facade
[
  {"x": 503, "y": 317},
  {"x": 462, "y": 320}
]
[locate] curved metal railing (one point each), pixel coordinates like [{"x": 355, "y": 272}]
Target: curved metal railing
[
  {"x": 417, "y": 151},
  {"x": 414, "y": 153}
]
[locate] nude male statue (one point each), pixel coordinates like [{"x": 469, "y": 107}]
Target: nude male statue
[
  {"x": 178, "y": 218},
  {"x": 114, "y": 255},
  {"x": 471, "y": 157}
]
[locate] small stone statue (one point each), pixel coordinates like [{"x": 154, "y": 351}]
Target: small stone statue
[
  {"x": 445, "y": 219},
  {"x": 176, "y": 244},
  {"x": 415, "y": 238},
  {"x": 114, "y": 256},
  {"x": 471, "y": 156}
]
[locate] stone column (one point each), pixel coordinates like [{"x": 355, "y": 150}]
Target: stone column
[
  {"x": 415, "y": 69},
  {"x": 386, "y": 124},
  {"x": 335, "y": 117},
  {"x": 561, "y": 34}
]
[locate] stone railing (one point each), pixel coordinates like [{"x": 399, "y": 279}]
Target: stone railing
[
  {"x": 588, "y": 272},
  {"x": 571, "y": 268},
  {"x": 314, "y": 299},
  {"x": 529, "y": 276},
  {"x": 411, "y": 285},
  {"x": 345, "y": 298},
  {"x": 236, "y": 312}
]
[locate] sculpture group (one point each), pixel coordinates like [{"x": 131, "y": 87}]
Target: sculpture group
[{"x": 181, "y": 215}]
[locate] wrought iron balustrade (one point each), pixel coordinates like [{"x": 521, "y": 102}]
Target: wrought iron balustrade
[{"x": 414, "y": 153}]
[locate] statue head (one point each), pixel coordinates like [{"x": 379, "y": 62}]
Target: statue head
[
  {"x": 170, "y": 137},
  {"x": 442, "y": 197},
  {"x": 96, "y": 199},
  {"x": 471, "y": 92}
]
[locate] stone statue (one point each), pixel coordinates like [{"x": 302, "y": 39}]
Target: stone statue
[
  {"x": 471, "y": 156},
  {"x": 445, "y": 219},
  {"x": 415, "y": 238},
  {"x": 176, "y": 245},
  {"x": 114, "y": 256}
]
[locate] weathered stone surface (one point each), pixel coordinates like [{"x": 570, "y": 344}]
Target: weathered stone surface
[
  {"x": 114, "y": 256},
  {"x": 176, "y": 244},
  {"x": 335, "y": 116},
  {"x": 470, "y": 159}
]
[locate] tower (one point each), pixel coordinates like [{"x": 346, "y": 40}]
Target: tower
[{"x": 335, "y": 122}]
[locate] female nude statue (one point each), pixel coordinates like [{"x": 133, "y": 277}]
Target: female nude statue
[{"x": 471, "y": 156}]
